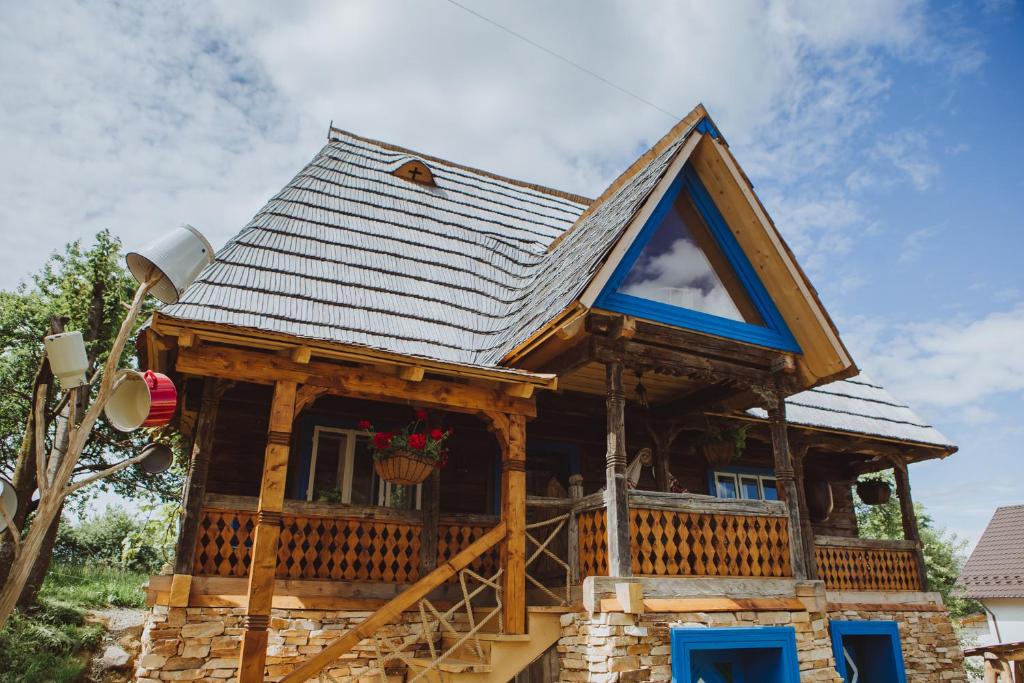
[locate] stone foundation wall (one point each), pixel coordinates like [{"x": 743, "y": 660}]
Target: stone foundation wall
[
  {"x": 203, "y": 643},
  {"x": 931, "y": 651},
  {"x": 625, "y": 648}
]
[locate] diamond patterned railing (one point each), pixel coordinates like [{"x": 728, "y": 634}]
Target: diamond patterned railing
[{"x": 867, "y": 569}]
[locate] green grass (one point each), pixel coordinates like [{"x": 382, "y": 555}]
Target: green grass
[{"x": 50, "y": 644}]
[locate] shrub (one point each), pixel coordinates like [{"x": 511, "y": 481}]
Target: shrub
[{"x": 104, "y": 539}]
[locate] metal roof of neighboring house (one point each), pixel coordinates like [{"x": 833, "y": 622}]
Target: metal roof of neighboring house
[
  {"x": 461, "y": 272},
  {"x": 862, "y": 406},
  {"x": 996, "y": 567}
]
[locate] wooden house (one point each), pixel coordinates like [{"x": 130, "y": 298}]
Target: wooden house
[{"x": 654, "y": 423}]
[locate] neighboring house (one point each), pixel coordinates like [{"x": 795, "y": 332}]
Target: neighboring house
[
  {"x": 562, "y": 338},
  {"x": 994, "y": 575}
]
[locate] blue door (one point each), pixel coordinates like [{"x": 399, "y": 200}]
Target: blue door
[
  {"x": 765, "y": 654},
  {"x": 716, "y": 667}
]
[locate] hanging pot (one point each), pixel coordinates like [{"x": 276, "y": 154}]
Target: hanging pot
[
  {"x": 158, "y": 458},
  {"x": 874, "y": 491},
  {"x": 8, "y": 501},
  {"x": 406, "y": 468},
  {"x": 141, "y": 399},
  {"x": 177, "y": 257},
  {"x": 718, "y": 453},
  {"x": 819, "y": 499},
  {"x": 66, "y": 353}
]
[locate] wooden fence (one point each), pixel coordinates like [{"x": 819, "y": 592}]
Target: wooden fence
[
  {"x": 691, "y": 535},
  {"x": 867, "y": 565}
]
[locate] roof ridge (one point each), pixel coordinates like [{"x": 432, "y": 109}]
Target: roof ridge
[{"x": 571, "y": 196}]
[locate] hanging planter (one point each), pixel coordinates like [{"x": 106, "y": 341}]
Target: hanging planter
[
  {"x": 721, "y": 446},
  {"x": 874, "y": 491},
  {"x": 407, "y": 457},
  {"x": 819, "y": 499}
]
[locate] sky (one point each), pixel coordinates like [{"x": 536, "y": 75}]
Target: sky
[{"x": 884, "y": 138}]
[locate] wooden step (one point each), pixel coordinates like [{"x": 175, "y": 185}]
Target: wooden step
[{"x": 453, "y": 665}]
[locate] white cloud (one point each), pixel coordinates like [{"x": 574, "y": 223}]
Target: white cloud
[{"x": 134, "y": 117}]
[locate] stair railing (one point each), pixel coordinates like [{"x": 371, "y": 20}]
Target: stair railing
[
  {"x": 389, "y": 648},
  {"x": 553, "y": 526}
]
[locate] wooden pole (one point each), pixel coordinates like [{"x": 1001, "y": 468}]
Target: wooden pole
[
  {"x": 615, "y": 494},
  {"x": 806, "y": 530},
  {"x": 909, "y": 517},
  {"x": 268, "y": 528},
  {"x": 195, "y": 485},
  {"x": 513, "y": 514},
  {"x": 430, "y": 515},
  {"x": 786, "y": 478},
  {"x": 575, "y": 493}
]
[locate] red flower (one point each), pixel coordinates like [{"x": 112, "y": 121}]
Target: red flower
[
  {"x": 365, "y": 425},
  {"x": 382, "y": 440},
  {"x": 421, "y": 415},
  {"x": 436, "y": 434},
  {"x": 417, "y": 442},
  {"x": 442, "y": 462}
]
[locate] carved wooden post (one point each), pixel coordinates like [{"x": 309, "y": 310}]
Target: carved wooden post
[
  {"x": 786, "y": 478},
  {"x": 195, "y": 490},
  {"x": 268, "y": 529},
  {"x": 806, "y": 530},
  {"x": 513, "y": 513},
  {"x": 430, "y": 514},
  {"x": 615, "y": 493},
  {"x": 909, "y": 517},
  {"x": 575, "y": 493}
]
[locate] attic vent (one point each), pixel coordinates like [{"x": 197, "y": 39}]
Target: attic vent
[{"x": 415, "y": 171}]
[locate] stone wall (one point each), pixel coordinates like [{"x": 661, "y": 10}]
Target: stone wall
[
  {"x": 931, "y": 651},
  {"x": 203, "y": 643},
  {"x": 614, "y": 647}
]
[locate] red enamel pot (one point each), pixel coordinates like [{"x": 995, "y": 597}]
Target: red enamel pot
[{"x": 141, "y": 399}]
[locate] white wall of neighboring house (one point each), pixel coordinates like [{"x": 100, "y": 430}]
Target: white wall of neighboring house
[{"x": 1009, "y": 614}]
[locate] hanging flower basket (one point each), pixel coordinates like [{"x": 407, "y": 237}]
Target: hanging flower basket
[
  {"x": 720, "y": 446},
  {"x": 404, "y": 467},
  {"x": 718, "y": 453},
  {"x": 874, "y": 491},
  {"x": 407, "y": 457}
]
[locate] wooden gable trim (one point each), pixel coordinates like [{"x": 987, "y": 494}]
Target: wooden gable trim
[
  {"x": 267, "y": 368},
  {"x": 415, "y": 171}
]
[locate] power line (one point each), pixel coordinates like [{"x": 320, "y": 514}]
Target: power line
[{"x": 520, "y": 36}]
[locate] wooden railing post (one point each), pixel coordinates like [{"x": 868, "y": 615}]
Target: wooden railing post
[
  {"x": 573, "y": 532},
  {"x": 195, "y": 490},
  {"x": 909, "y": 517},
  {"x": 786, "y": 478},
  {"x": 806, "y": 530},
  {"x": 616, "y": 501},
  {"x": 268, "y": 529},
  {"x": 513, "y": 514}
]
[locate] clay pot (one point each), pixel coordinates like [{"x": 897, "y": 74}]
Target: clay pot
[
  {"x": 404, "y": 467},
  {"x": 819, "y": 499},
  {"x": 874, "y": 492}
]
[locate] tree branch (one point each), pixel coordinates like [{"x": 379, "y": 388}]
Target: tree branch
[
  {"x": 40, "y": 430},
  {"x": 104, "y": 474}
]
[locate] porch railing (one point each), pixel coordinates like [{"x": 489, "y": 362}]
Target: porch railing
[
  {"x": 330, "y": 542},
  {"x": 690, "y": 535},
  {"x": 867, "y": 565}
]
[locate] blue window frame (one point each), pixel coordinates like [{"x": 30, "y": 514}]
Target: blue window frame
[
  {"x": 868, "y": 651},
  {"x": 774, "y": 333},
  {"x": 749, "y": 483},
  {"x": 734, "y": 655}
]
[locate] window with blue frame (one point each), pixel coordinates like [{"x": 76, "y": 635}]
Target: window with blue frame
[
  {"x": 868, "y": 651},
  {"x": 734, "y": 655},
  {"x": 686, "y": 268},
  {"x": 746, "y": 483}
]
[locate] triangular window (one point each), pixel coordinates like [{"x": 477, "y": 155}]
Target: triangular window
[{"x": 686, "y": 268}]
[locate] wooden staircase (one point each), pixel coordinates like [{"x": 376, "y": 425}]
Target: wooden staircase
[{"x": 490, "y": 657}]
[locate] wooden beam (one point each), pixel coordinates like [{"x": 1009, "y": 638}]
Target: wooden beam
[
  {"x": 186, "y": 339},
  {"x": 786, "y": 478},
  {"x": 195, "y": 484},
  {"x": 519, "y": 390},
  {"x": 357, "y": 382},
  {"x": 394, "y": 607},
  {"x": 511, "y": 433},
  {"x": 616, "y": 498},
  {"x": 411, "y": 373},
  {"x": 268, "y": 528},
  {"x": 301, "y": 354},
  {"x": 638, "y": 356}
]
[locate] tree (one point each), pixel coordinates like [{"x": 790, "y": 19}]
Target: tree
[
  {"x": 944, "y": 551},
  {"x": 85, "y": 289}
]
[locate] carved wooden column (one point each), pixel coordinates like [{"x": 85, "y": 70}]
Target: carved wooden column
[
  {"x": 786, "y": 478},
  {"x": 806, "y": 530},
  {"x": 615, "y": 493},
  {"x": 268, "y": 529},
  {"x": 513, "y": 513},
  {"x": 575, "y": 493},
  {"x": 430, "y": 514},
  {"x": 909, "y": 517},
  {"x": 195, "y": 490}
]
